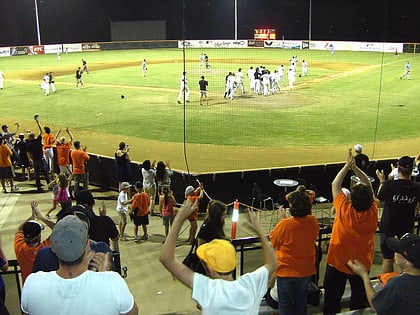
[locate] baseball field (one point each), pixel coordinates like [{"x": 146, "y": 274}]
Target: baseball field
[{"x": 346, "y": 98}]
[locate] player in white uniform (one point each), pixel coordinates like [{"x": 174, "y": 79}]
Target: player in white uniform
[
  {"x": 144, "y": 67},
  {"x": 275, "y": 79},
  {"x": 304, "y": 68},
  {"x": 291, "y": 76},
  {"x": 281, "y": 75},
  {"x": 2, "y": 78},
  {"x": 407, "y": 71},
  {"x": 230, "y": 85},
  {"x": 46, "y": 83},
  {"x": 239, "y": 79},
  {"x": 201, "y": 60},
  {"x": 250, "y": 74},
  {"x": 265, "y": 81},
  {"x": 183, "y": 88}
]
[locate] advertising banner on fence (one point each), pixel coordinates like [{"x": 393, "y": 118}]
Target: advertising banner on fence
[
  {"x": 4, "y": 51},
  {"x": 35, "y": 50},
  {"x": 284, "y": 44},
  {"x": 53, "y": 49},
  {"x": 356, "y": 46},
  {"x": 91, "y": 46},
  {"x": 213, "y": 44},
  {"x": 67, "y": 48}
]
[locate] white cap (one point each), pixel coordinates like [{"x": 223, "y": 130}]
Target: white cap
[
  {"x": 189, "y": 190},
  {"x": 358, "y": 148}
]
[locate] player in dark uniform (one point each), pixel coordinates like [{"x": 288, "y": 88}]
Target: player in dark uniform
[
  {"x": 203, "y": 90},
  {"x": 79, "y": 80},
  {"x": 84, "y": 66}
]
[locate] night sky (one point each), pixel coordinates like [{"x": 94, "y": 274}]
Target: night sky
[{"x": 72, "y": 21}]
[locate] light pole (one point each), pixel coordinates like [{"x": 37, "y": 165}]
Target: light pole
[
  {"x": 38, "y": 31},
  {"x": 310, "y": 21},
  {"x": 236, "y": 19}
]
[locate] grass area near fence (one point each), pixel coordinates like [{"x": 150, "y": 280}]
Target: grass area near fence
[{"x": 347, "y": 98}]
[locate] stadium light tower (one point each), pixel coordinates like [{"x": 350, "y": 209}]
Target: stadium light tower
[
  {"x": 38, "y": 31},
  {"x": 310, "y": 21},
  {"x": 236, "y": 19}
]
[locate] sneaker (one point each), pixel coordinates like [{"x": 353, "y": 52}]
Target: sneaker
[
  {"x": 136, "y": 239},
  {"x": 14, "y": 188},
  {"x": 123, "y": 238},
  {"x": 178, "y": 102},
  {"x": 145, "y": 237}
]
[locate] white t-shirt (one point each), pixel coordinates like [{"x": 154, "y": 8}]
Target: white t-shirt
[
  {"x": 91, "y": 293},
  {"x": 240, "y": 297},
  {"x": 148, "y": 178},
  {"x": 121, "y": 207}
]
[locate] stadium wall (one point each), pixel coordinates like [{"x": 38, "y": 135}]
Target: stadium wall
[
  {"x": 228, "y": 186},
  {"x": 269, "y": 44}
]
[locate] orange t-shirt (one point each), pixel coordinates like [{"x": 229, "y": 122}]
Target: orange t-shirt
[
  {"x": 25, "y": 254},
  {"x": 194, "y": 215},
  {"x": 294, "y": 240},
  {"x": 142, "y": 202},
  {"x": 79, "y": 157},
  {"x": 352, "y": 234},
  {"x": 63, "y": 153},
  {"x": 48, "y": 140},
  {"x": 5, "y": 154}
]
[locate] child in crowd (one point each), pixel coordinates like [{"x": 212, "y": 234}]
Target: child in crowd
[
  {"x": 60, "y": 188},
  {"x": 166, "y": 206},
  {"x": 193, "y": 194},
  {"x": 140, "y": 212},
  {"x": 122, "y": 208}
]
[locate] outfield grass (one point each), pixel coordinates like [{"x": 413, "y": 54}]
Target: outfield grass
[{"x": 348, "y": 98}]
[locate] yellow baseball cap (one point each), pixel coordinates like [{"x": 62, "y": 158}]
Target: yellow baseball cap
[{"x": 218, "y": 254}]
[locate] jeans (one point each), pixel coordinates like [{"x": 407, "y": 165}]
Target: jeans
[
  {"x": 335, "y": 283},
  {"x": 292, "y": 295},
  {"x": 40, "y": 166}
]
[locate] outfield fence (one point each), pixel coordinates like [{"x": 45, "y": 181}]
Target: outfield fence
[{"x": 245, "y": 43}]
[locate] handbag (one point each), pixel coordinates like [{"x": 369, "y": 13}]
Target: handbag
[
  {"x": 193, "y": 262},
  {"x": 313, "y": 294}
]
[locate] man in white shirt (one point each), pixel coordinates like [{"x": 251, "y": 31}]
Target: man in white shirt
[{"x": 73, "y": 289}]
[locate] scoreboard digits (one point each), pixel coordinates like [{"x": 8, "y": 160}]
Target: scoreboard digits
[{"x": 264, "y": 33}]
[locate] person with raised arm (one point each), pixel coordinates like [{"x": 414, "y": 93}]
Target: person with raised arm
[{"x": 219, "y": 292}]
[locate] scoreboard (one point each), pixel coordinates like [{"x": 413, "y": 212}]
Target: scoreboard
[{"x": 264, "y": 33}]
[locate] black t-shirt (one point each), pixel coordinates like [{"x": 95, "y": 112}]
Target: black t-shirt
[
  {"x": 401, "y": 198},
  {"x": 102, "y": 229},
  {"x": 203, "y": 85},
  {"x": 362, "y": 161},
  {"x": 35, "y": 148},
  {"x": 207, "y": 232}
]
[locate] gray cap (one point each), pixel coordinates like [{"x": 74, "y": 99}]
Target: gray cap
[{"x": 69, "y": 238}]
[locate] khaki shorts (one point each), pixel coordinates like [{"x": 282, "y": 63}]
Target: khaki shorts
[{"x": 123, "y": 217}]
